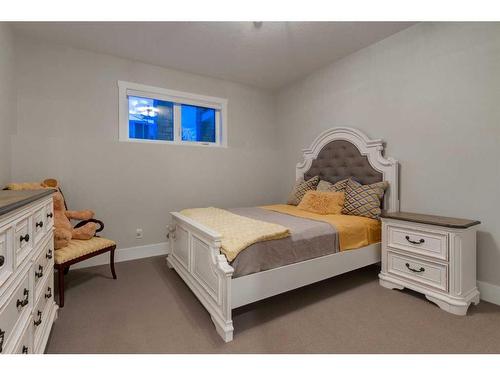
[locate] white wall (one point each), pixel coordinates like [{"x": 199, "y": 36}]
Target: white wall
[
  {"x": 432, "y": 92},
  {"x": 7, "y": 100},
  {"x": 68, "y": 129}
]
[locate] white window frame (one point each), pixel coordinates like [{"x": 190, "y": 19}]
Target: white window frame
[{"x": 178, "y": 98}]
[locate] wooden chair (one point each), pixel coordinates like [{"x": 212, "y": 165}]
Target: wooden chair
[{"x": 78, "y": 251}]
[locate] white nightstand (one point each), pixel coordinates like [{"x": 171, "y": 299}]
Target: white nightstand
[{"x": 433, "y": 255}]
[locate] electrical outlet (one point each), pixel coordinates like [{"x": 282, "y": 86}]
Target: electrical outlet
[{"x": 138, "y": 233}]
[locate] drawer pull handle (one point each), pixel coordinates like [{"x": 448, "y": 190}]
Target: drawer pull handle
[
  {"x": 25, "y": 349},
  {"x": 24, "y": 302},
  {"x": 421, "y": 241},
  {"x": 49, "y": 254},
  {"x": 2, "y": 260},
  {"x": 50, "y": 215},
  {"x": 422, "y": 269},
  {"x": 24, "y": 238},
  {"x": 39, "y": 321},
  {"x": 2, "y": 337},
  {"x": 39, "y": 224},
  {"x": 49, "y": 293},
  {"x": 39, "y": 273}
]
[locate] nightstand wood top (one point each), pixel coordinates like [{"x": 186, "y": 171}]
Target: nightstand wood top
[{"x": 443, "y": 221}]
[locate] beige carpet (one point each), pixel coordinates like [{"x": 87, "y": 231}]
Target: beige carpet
[{"x": 149, "y": 309}]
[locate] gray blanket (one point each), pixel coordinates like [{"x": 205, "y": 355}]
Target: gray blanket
[{"x": 309, "y": 239}]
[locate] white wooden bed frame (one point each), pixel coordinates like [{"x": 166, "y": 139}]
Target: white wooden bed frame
[{"x": 194, "y": 250}]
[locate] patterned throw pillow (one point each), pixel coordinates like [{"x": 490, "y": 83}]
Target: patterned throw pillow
[
  {"x": 301, "y": 187},
  {"x": 364, "y": 200},
  {"x": 328, "y": 186},
  {"x": 322, "y": 202}
]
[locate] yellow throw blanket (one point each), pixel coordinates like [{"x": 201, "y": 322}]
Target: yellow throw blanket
[
  {"x": 238, "y": 232},
  {"x": 354, "y": 231}
]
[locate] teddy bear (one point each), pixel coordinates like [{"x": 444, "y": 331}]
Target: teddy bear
[{"x": 63, "y": 230}]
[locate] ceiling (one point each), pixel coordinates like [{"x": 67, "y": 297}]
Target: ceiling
[{"x": 270, "y": 56}]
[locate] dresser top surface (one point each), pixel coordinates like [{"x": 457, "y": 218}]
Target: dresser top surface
[
  {"x": 442, "y": 221},
  {"x": 11, "y": 200}
]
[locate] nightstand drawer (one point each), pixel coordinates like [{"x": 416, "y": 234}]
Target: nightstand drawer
[
  {"x": 419, "y": 241},
  {"x": 418, "y": 270}
]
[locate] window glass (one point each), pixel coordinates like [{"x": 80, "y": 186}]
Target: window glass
[
  {"x": 150, "y": 119},
  {"x": 198, "y": 123}
]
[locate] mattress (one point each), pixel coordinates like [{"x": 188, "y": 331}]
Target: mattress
[{"x": 308, "y": 239}]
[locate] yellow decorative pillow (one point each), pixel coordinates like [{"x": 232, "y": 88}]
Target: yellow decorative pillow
[{"x": 322, "y": 202}]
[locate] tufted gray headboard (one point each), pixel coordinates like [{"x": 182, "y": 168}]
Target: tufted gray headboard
[
  {"x": 339, "y": 153},
  {"x": 341, "y": 159}
]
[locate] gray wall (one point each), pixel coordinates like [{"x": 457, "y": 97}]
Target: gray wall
[
  {"x": 7, "y": 100},
  {"x": 432, "y": 92},
  {"x": 68, "y": 128}
]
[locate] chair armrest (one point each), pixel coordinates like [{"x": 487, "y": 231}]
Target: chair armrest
[{"x": 83, "y": 222}]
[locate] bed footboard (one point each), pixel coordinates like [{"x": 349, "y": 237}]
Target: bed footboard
[{"x": 194, "y": 253}]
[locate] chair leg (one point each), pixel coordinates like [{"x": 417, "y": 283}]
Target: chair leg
[
  {"x": 60, "y": 274},
  {"x": 112, "y": 263},
  {"x": 66, "y": 270}
]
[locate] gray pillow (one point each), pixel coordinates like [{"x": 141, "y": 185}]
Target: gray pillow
[
  {"x": 328, "y": 186},
  {"x": 301, "y": 188}
]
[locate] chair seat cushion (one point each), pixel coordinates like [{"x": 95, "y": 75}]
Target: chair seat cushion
[{"x": 79, "y": 248}]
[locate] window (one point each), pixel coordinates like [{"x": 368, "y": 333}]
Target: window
[
  {"x": 198, "y": 123},
  {"x": 152, "y": 114},
  {"x": 150, "y": 119}
]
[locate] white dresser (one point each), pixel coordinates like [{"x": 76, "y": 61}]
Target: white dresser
[
  {"x": 27, "y": 307},
  {"x": 432, "y": 255}
]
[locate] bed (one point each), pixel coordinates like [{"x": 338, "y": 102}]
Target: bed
[{"x": 220, "y": 285}]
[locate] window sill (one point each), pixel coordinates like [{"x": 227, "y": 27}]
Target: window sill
[{"x": 173, "y": 143}]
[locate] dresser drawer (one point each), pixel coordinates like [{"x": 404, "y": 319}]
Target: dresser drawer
[
  {"x": 49, "y": 214},
  {"x": 25, "y": 344},
  {"x": 23, "y": 238},
  {"x": 47, "y": 288},
  {"x": 42, "y": 310},
  {"x": 42, "y": 266},
  {"x": 39, "y": 224},
  {"x": 16, "y": 306},
  {"x": 419, "y": 241},
  {"x": 418, "y": 270},
  {"x": 6, "y": 253}
]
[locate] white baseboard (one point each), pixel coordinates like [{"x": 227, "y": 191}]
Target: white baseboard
[
  {"x": 122, "y": 255},
  {"x": 489, "y": 292}
]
